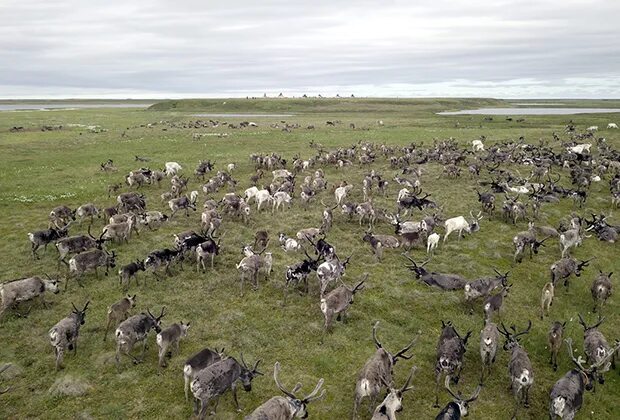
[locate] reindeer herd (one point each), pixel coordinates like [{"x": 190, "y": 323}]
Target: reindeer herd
[{"x": 211, "y": 373}]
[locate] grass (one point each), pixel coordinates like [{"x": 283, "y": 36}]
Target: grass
[{"x": 41, "y": 170}]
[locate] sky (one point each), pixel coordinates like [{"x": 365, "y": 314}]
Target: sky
[{"x": 212, "y": 48}]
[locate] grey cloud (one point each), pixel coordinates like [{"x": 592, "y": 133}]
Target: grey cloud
[{"x": 158, "y": 48}]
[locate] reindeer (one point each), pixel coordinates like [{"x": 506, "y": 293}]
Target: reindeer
[
  {"x": 133, "y": 330},
  {"x": 483, "y": 287},
  {"x": 298, "y": 273},
  {"x": 118, "y": 312},
  {"x": 460, "y": 224},
  {"x": 87, "y": 211},
  {"x": 197, "y": 362},
  {"x": 338, "y": 301},
  {"x": 519, "y": 367},
  {"x": 440, "y": 280},
  {"x": 214, "y": 380},
  {"x": 458, "y": 407},
  {"x": 393, "y": 401},
  {"x": 562, "y": 269},
  {"x": 22, "y": 290},
  {"x": 554, "y": 339},
  {"x": 170, "y": 337},
  {"x": 44, "y": 237},
  {"x": 595, "y": 347},
  {"x": 287, "y": 407},
  {"x": 332, "y": 269},
  {"x": 208, "y": 248},
  {"x": 566, "y": 396},
  {"x": 377, "y": 371},
  {"x": 77, "y": 244},
  {"x": 451, "y": 349},
  {"x": 494, "y": 303},
  {"x": 546, "y": 299},
  {"x": 90, "y": 260},
  {"x": 526, "y": 239},
  {"x": 601, "y": 290},
  {"x": 181, "y": 203},
  {"x": 63, "y": 336},
  {"x": 489, "y": 340}
]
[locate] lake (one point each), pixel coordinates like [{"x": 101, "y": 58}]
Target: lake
[
  {"x": 242, "y": 115},
  {"x": 531, "y": 111},
  {"x": 69, "y": 105}
]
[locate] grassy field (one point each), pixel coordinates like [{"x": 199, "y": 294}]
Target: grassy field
[{"x": 43, "y": 169}]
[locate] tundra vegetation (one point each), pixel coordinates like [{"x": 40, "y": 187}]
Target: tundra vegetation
[{"x": 43, "y": 170}]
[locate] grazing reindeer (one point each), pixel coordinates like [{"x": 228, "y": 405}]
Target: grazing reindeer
[
  {"x": 378, "y": 242},
  {"x": 487, "y": 200},
  {"x": 128, "y": 271},
  {"x": 554, "y": 338},
  {"x": 261, "y": 238},
  {"x": 489, "y": 340},
  {"x": 162, "y": 257},
  {"x": 118, "y": 312},
  {"x": 133, "y": 330},
  {"x": 595, "y": 347},
  {"x": 338, "y": 301},
  {"x": 601, "y": 290},
  {"x": 562, "y": 270},
  {"x": 199, "y": 361},
  {"x": 44, "y": 237},
  {"x": 450, "y": 352},
  {"x": 546, "y": 299},
  {"x": 566, "y": 395},
  {"x": 22, "y": 290},
  {"x": 393, "y": 402},
  {"x": 214, "y": 380},
  {"x": 64, "y": 335},
  {"x": 170, "y": 337},
  {"x": 460, "y": 224},
  {"x": 289, "y": 407},
  {"x": 377, "y": 371},
  {"x": 519, "y": 367},
  {"x": 458, "y": 407}
]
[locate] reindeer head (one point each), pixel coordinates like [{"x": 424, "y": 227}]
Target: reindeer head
[
  {"x": 462, "y": 403},
  {"x": 298, "y": 405},
  {"x": 156, "y": 321},
  {"x": 512, "y": 338},
  {"x": 248, "y": 374},
  {"x": 80, "y": 315}
]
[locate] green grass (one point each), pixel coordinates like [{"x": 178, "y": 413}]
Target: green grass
[{"x": 41, "y": 170}]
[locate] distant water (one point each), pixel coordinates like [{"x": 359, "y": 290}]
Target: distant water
[
  {"x": 68, "y": 105},
  {"x": 531, "y": 111},
  {"x": 242, "y": 115},
  {"x": 536, "y": 103}
]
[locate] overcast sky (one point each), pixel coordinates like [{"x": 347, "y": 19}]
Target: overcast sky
[{"x": 193, "y": 48}]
